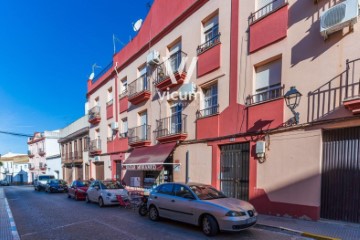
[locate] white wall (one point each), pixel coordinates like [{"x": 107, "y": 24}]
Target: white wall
[{"x": 53, "y": 165}]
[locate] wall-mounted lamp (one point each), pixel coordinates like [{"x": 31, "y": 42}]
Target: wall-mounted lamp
[{"x": 292, "y": 99}]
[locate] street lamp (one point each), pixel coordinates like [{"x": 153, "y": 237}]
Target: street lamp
[{"x": 292, "y": 99}]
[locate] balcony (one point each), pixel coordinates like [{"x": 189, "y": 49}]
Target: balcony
[
  {"x": 94, "y": 115},
  {"x": 42, "y": 166},
  {"x": 139, "y": 136},
  {"x": 209, "y": 44},
  {"x": 171, "y": 67},
  {"x": 171, "y": 129},
  {"x": 266, "y": 94},
  {"x": 41, "y": 152},
  {"x": 139, "y": 90},
  {"x": 262, "y": 22},
  {"x": 209, "y": 56},
  {"x": 207, "y": 112},
  {"x": 95, "y": 147},
  {"x": 31, "y": 166},
  {"x": 30, "y": 154}
]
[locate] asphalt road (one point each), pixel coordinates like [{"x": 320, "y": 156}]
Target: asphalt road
[{"x": 42, "y": 216}]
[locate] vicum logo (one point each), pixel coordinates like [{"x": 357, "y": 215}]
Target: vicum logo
[{"x": 188, "y": 89}]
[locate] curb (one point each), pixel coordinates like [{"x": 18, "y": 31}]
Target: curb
[
  {"x": 13, "y": 228},
  {"x": 294, "y": 232}
]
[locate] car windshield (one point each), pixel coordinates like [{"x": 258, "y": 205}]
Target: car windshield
[
  {"x": 206, "y": 192},
  {"x": 111, "y": 185},
  {"x": 57, "y": 182},
  {"x": 42, "y": 178}
]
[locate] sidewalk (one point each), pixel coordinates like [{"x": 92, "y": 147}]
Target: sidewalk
[
  {"x": 7, "y": 225},
  {"x": 318, "y": 230}
]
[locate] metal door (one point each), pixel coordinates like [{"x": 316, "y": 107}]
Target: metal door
[
  {"x": 234, "y": 175},
  {"x": 340, "y": 179}
]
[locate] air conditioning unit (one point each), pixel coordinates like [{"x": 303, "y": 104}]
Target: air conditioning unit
[
  {"x": 187, "y": 91},
  {"x": 114, "y": 125},
  {"x": 338, "y": 17},
  {"x": 153, "y": 58}
]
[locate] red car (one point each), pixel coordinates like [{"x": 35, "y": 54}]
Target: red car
[{"x": 77, "y": 190}]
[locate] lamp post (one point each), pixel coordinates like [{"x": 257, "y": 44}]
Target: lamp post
[{"x": 292, "y": 99}]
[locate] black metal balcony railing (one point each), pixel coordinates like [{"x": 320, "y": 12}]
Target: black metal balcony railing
[
  {"x": 170, "y": 66},
  {"x": 266, "y": 10},
  {"x": 31, "y": 166},
  {"x": 30, "y": 153},
  {"x": 208, "y": 111},
  {"x": 208, "y": 44},
  {"x": 94, "y": 113},
  {"x": 95, "y": 145},
  {"x": 272, "y": 92},
  {"x": 42, "y": 165},
  {"x": 123, "y": 135},
  {"x": 41, "y": 151},
  {"x": 140, "y": 85},
  {"x": 175, "y": 124},
  {"x": 102, "y": 72},
  {"x": 139, "y": 134}
]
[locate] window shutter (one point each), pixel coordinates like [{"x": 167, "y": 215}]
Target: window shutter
[{"x": 268, "y": 75}]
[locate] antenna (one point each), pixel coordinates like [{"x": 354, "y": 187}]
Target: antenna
[
  {"x": 115, "y": 39},
  {"x": 93, "y": 71},
  {"x": 137, "y": 25}
]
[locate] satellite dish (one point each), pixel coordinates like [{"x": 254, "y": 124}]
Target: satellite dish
[
  {"x": 137, "y": 25},
  {"x": 92, "y": 76}
]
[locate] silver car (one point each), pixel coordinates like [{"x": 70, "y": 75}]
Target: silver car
[
  {"x": 104, "y": 193},
  {"x": 202, "y": 205}
]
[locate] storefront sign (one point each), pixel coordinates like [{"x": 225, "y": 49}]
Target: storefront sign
[{"x": 145, "y": 167}]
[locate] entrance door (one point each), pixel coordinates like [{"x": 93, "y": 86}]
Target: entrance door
[
  {"x": 234, "y": 176},
  {"x": 99, "y": 168},
  {"x": 118, "y": 171},
  {"x": 340, "y": 179}
]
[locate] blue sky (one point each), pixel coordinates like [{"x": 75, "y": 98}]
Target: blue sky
[{"x": 46, "y": 52}]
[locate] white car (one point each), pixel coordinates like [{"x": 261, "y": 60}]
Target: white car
[{"x": 104, "y": 193}]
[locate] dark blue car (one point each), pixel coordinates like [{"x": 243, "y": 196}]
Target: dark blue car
[{"x": 56, "y": 185}]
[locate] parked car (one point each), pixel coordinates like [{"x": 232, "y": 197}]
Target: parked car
[
  {"x": 77, "y": 190},
  {"x": 41, "y": 180},
  {"x": 104, "y": 193},
  {"x": 4, "y": 183},
  {"x": 56, "y": 185},
  {"x": 202, "y": 205}
]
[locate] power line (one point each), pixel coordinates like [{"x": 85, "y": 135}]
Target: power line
[{"x": 16, "y": 134}]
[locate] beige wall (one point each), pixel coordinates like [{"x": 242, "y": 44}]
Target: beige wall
[
  {"x": 199, "y": 163},
  {"x": 291, "y": 172}
]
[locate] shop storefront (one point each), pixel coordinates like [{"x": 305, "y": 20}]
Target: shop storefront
[{"x": 149, "y": 166}]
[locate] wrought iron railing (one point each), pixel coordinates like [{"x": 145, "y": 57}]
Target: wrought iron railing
[
  {"x": 42, "y": 165},
  {"x": 266, "y": 10},
  {"x": 208, "y": 111},
  {"x": 102, "y": 72},
  {"x": 31, "y": 166},
  {"x": 123, "y": 135},
  {"x": 139, "y": 134},
  {"x": 30, "y": 153},
  {"x": 269, "y": 94},
  {"x": 208, "y": 44},
  {"x": 41, "y": 151},
  {"x": 77, "y": 155},
  {"x": 330, "y": 96},
  {"x": 140, "y": 85},
  {"x": 175, "y": 124},
  {"x": 170, "y": 66},
  {"x": 94, "y": 113},
  {"x": 95, "y": 145}
]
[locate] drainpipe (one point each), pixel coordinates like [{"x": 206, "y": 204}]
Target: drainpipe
[{"x": 187, "y": 167}]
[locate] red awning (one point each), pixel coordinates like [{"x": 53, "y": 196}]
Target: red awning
[{"x": 149, "y": 158}]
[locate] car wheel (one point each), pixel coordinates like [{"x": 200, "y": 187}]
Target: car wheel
[
  {"x": 87, "y": 200},
  {"x": 153, "y": 213},
  {"x": 101, "y": 202},
  {"x": 209, "y": 225},
  {"x": 69, "y": 196}
]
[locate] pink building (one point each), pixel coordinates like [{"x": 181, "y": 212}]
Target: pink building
[{"x": 237, "y": 132}]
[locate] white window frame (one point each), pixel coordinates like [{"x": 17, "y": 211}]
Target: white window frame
[{"x": 210, "y": 94}]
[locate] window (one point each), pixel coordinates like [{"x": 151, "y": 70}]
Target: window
[
  {"x": 265, "y": 7},
  {"x": 123, "y": 86},
  {"x": 110, "y": 133},
  {"x": 175, "y": 118},
  {"x": 124, "y": 127},
  {"x": 142, "y": 83},
  {"x": 109, "y": 96},
  {"x": 210, "y": 100},
  {"x": 268, "y": 81},
  {"x": 175, "y": 56},
  {"x": 166, "y": 189},
  {"x": 182, "y": 191},
  {"x": 211, "y": 28},
  {"x": 97, "y": 102}
]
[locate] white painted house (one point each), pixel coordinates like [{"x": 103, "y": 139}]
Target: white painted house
[{"x": 15, "y": 168}]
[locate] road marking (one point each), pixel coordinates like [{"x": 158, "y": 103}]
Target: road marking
[{"x": 13, "y": 229}]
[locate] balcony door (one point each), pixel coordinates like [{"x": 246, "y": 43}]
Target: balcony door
[
  {"x": 175, "y": 56},
  {"x": 175, "y": 118},
  {"x": 142, "y": 82},
  {"x": 143, "y": 125}
]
